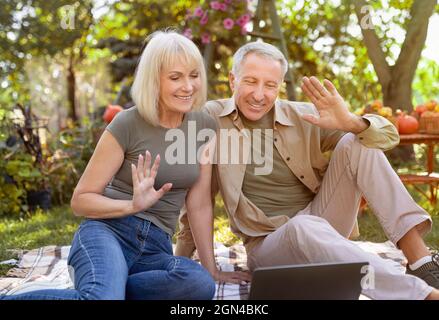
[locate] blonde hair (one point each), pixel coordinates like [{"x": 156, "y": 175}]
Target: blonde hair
[{"x": 162, "y": 50}]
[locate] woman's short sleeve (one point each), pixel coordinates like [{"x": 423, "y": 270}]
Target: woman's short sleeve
[{"x": 119, "y": 127}]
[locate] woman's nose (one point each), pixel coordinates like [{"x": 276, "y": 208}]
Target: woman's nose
[{"x": 188, "y": 85}]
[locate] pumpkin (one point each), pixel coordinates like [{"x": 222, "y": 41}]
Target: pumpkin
[
  {"x": 407, "y": 124},
  {"x": 110, "y": 112}
]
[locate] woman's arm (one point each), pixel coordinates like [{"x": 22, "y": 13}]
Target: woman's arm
[
  {"x": 87, "y": 199},
  {"x": 200, "y": 214}
]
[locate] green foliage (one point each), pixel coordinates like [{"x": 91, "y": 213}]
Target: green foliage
[
  {"x": 425, "y": 84},
  {"x": 319, "y": 35},
  {"x": 12, "y": 198},
  {"x": 72, "y": 149},
  {"x": 37, "y": 28},
  {"x": 124, "y": 28},
  {"x": 319, "y": 43},
  {"x": 23, "y": 170},
  {"x": 48, "y": 30},
  {"x": 324, "y": 39},
  {"x": 18, "y": 176},
  {"x": 18, "y": 173},
  {"x": 64, "y": 159}
]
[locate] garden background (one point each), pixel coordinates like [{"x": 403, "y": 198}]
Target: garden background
[{"x": 63, "y": 62}]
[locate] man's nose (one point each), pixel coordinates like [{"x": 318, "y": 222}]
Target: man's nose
[{"x": 258, "y": 93}]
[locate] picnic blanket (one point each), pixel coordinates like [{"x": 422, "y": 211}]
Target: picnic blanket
[{"x": 46, "y": 267}]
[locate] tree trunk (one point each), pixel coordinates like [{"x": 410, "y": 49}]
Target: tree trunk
[
  {"x": 71, "y": 89},
  {"x": 398, "y": 95},
  {"x": 396, "y": 81}
]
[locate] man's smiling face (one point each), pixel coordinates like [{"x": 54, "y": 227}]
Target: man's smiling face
[{"x": 256, "y": 86}]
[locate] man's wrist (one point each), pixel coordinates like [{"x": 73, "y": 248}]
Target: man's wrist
[{"x": 357, "y": 124}]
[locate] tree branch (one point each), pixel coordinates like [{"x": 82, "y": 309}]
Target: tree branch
[
  {"x": 374, "y": 50},
  {"x": 416, "y": 35}
]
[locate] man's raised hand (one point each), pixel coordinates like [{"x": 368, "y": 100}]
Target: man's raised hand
[{"x": 333, "y": 110}]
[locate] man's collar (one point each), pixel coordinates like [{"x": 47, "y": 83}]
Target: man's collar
[
  {"x": 280, "y": 116},
  {"x": 229, "y": 107},
  {"x": 279, "y": 113}
]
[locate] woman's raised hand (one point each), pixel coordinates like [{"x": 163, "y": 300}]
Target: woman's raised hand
[{"x": 144, "y": 194}]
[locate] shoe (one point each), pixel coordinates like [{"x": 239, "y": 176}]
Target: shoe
[{"x": 429, "y": 272}]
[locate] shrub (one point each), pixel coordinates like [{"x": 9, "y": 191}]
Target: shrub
[
  {"x": 73, "y": 148},
  {"x": 29, "y": 169}
]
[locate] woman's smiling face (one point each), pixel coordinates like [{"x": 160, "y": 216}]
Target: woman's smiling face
[{"x": 179, "y": 85}]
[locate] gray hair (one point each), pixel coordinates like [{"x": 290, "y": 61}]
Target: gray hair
[{"x": 260, "y": 48}]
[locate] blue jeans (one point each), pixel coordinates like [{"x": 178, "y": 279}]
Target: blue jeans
[{"x": 127, "y": 258}]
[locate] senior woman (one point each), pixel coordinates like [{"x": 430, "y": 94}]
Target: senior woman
[{"x": 123, "y": 248}]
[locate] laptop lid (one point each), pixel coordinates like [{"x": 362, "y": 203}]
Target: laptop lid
[{"x": 322, "y": 281}]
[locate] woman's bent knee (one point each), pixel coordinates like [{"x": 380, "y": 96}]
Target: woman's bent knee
[{"x": 198, "y": 281}]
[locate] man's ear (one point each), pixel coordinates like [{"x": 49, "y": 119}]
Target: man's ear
[{"x": 232, "y": 81}]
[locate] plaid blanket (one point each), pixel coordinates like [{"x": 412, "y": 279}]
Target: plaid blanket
[{"x": 46, "y": 267}]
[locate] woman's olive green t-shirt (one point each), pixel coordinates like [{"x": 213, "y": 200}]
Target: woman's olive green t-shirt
[{"x": 178, "y": 165}]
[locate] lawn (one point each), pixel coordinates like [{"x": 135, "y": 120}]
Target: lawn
[
  {"x": 39, "y": 229},
  {"x": 58, "y": 226}
]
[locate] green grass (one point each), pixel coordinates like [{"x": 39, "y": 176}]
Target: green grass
[
  {"x": 222, "y": 231},
  {"x": 57, "y": 227}
]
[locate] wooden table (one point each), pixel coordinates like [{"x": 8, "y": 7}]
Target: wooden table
[{"x": 429, "y": 177}]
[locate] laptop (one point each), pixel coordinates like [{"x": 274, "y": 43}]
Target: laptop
[{"x": 322, "y": 281}]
